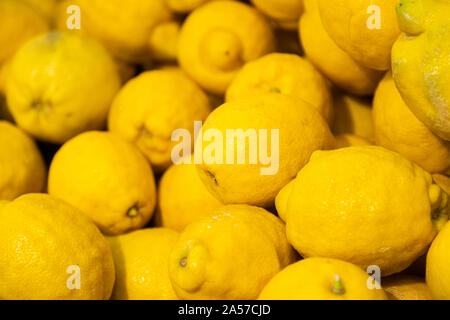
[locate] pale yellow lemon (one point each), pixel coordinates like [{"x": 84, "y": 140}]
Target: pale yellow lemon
[
  {"x": 321, "y": 279},
  {"x": 285, "y": 13},
  {"x": 50, "y": 250},
  {"x": 150, "y": 107},
  {"x": 398, "y": 129},
  {"x": 406, "y": 287},
  {"x": 141, "y": 261},
  {"x": 61, "y": 84},
  {"x": 438, "y": 265},
  {"x": 106, "y": 177},
  {"x": 330, "y": 59},
  {"x": 370, "y": 206},
  {"x": 353, "y": 115},
  {"x": 22, "y": 166},
  {"x": 230, "y": 255},
  {"x": 251, "y": 148},
  {"x": 218, "y": 38},
  {"x": 182, "y": 197},
  {"x": 284, "y": 73},
  {"x": 421, "y": 63},
  {"x": 365, "y": 29}
]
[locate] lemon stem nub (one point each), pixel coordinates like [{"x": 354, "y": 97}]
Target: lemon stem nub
[
  {"x": 183, "y": 262},
  {"x": 275, "y": 90},
  {"x": 337, "y": 288},
  {"x": 133, "y": 212}
]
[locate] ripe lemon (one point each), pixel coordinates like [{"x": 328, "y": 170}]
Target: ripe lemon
[
  {"x": 285, "y": 13},
  {"x": 106, "y": 177},
  {"x": 185, "y": 6},
  {"x": 398, "y": 129},
  {"x": 406, "y": 287},
  {"x": 283, "y": 73},
  {"x": 321, "y": 279},
  {"x": 236, "y": 172},
  {"x": 23, "y": 169},
  {"x": 61, "y": 84},
  {"x": 50, "y": 250},
  {"x": 141, "y": 262},
  {"x": 230, "y": 255},
  {"x": 365, "y": 29},
  {"x": 150, "y": 107},
  {"x": 18, "y": 23},
  {"x": 330, "y": 59},
  {"x": 218, "y": 38},
  {"x": 443, "y": 181},
  {"x": 438, "y": 265},
  {"x": 421, "y": 62},
  {"x": 370, "y": 206},
  {"x": 353, "y": 115},
  {"x": 350, "y": 140},
  {"x": 124, "y": 27},
  {"x": 183, "y": 198}
]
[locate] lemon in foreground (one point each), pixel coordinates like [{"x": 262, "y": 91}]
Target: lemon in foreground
[
  {"x": 230, "y": 255},
  {"x": 321, "y": 279},
  {"x": 106, "y": 177},
  {"x": 50, "y": 250},
  {"x": 406, "y": 287}
]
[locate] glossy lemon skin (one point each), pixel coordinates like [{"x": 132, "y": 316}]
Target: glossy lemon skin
[
  {"x": 41, "y": 239},
  {"x": 106, "y": 177},
  {"x": 230, "y": 255},
  {"x": 368, "y": 206}
]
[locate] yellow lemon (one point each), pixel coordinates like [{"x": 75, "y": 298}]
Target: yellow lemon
[
  {"x": 443, "y": 181},
  {"x": 61, "y": 84},
  {"x": 163, "y": 41},
  {"x": 183, "y": 198},
  {"x": 247, "y": 147},
  {"x": 321, "y": 279},
  {"x": 230, "y": 255},
  {"x": 406, "y": 287},
  {"x": 150, "y": 107},
  {"x": 22, "y": 166},
  {"x": 18, "y": 23},
  {"x": 438, "y": 265},
  {"x": 353, "y": 115},
  {"x": 288, "y": 74},
  {"x": 370, "y": 206},
  {"x": 124, "y": 27},
  {"x": 282, "y": 199},
  {"x": 45, "y": 7},
  {"x": 141, "y": 261},
  {"x": 330, "y": 59},
  {"x": 50, "y": 250},
  {"x": 365, "y": 29},
  {"x": 398, "y": 129},
  {"x": 106, "y": 177},
  {"x": 285, "y": 13},
  {"x": 421, "y": 62},
  {"x": 218, "y": 38},
  {"x": 185, "y": 6},
  {"x": 350, "y": 140}
]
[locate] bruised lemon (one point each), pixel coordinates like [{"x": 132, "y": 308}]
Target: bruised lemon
[
  {"x": 288, "y": 74},
  {"x": 50, "y": 250},
  {"x": 106, "y": 177},
  {"x": 321, "y": 279},
  {"x": 141, "y": 262},
  {"x": 218, "y": 38},
  {"x": 230, "y": 255},
  {"x": 22, "y": 165},
  {"x": 61, "y": 84},
  {"x": 150, "y": 107},
  {"x": 398, "y": 129},
  {"x": 365, "y": 29},
  {"x": 245, "y": 153},
  {"x": 182, "y": 197},
  {"x": 336, "y": 64},
  {"x": 367, "y": 207}
]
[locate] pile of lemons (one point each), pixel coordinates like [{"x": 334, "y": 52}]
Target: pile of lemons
[{"x": 352, "y": 99}]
